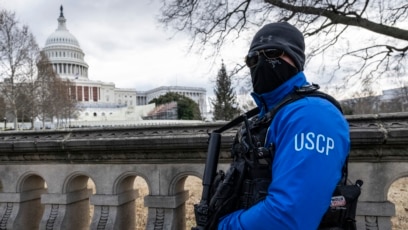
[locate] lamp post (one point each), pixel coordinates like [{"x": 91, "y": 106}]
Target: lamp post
[{"x": 5, "y": 123}]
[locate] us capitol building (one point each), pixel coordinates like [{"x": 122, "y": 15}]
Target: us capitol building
[{"x": 102, "y": 103}]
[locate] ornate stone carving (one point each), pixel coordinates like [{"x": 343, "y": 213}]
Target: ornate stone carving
[
  {"x": 159, "y": 222},
  {"x": 371, "y": 222},
  {"x": 53, "y": 216},
  {"x": 103, "y": 220},
  {"x": 6, "y": 216}
]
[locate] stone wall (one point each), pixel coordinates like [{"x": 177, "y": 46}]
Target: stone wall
[{"x": 44, "y": 175}]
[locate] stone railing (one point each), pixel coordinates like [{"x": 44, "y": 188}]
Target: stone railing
[{"x": 44, "y": 175}]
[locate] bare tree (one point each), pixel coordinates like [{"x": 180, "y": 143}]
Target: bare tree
[
  {"x": 396, "y": 100},
  {"x": 17, "y": 48},
  {"x": 401, "y": 98},
  {"x": 362, "y": 102},
  {"x": 327, "y": 23},
  {"x": 52, "y": 94},
  {"x": 2, "y": 108},
  {"x": 28, "y": 103},
  {"x": 64, "y": 107},
  {"x": 44, "y": 89}
]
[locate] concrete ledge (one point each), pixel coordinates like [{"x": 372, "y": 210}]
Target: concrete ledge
[
  {"x": 22, "y": 197},
  {"x": 32, "y": 195},
  {"x": 114, "y": 200},
  {"x": 374, "y": 138},
  {"x": 66, "y": 198},
  {"x": 166, "y": 201},
  {"x": 10, "y": 197},
  {"x": 385, "y": 208}
]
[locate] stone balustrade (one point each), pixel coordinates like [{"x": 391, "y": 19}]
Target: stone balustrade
[{"x": 44, "y": 176}]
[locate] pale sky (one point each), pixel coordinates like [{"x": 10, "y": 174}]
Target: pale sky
[{"x": 124, "y": 43}]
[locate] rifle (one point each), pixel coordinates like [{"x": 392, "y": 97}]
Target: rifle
[
  {"x": 215, "y": 196},
  {"x": 201, "y": 210}
]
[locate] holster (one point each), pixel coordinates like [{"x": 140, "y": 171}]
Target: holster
[{"x": 342, "y": 211}]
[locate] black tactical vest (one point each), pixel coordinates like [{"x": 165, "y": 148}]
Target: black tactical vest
[{"x": 249, "y": 143}]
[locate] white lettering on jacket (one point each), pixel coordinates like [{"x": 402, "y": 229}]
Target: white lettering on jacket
[{"x": 312, "y": 141}]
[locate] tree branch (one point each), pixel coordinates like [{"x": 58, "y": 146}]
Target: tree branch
[{"x": 343, "y": 19}]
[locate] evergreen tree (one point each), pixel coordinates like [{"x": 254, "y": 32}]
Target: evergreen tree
[{"x": 225, "y": 106}]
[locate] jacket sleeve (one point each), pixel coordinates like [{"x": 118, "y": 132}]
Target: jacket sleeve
[{"x": 311, "y": 139}]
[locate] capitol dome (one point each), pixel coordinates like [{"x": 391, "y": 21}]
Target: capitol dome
[
  {"x": 64, "y": 52},
  {"x": 62, "y": 37}
]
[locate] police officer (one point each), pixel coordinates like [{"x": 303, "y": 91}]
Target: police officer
[{"x": 310, "y": 135}]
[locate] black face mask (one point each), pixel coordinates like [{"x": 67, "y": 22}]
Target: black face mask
[{"x": 269, "y": 74}]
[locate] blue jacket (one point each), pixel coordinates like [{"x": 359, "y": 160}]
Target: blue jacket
[{"x": 311, "y": 139}]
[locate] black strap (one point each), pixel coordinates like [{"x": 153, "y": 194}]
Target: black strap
[
  {"x": 238, "y": 120},
  {"x": 299, "y": 93},
  {"x": 304, "y": 91}
]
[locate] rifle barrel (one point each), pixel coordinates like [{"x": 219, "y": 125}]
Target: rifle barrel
[{"x": 211, "y": 164}]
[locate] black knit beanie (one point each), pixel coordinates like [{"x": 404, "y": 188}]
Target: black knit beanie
[{"x": 281, "y": 35}]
